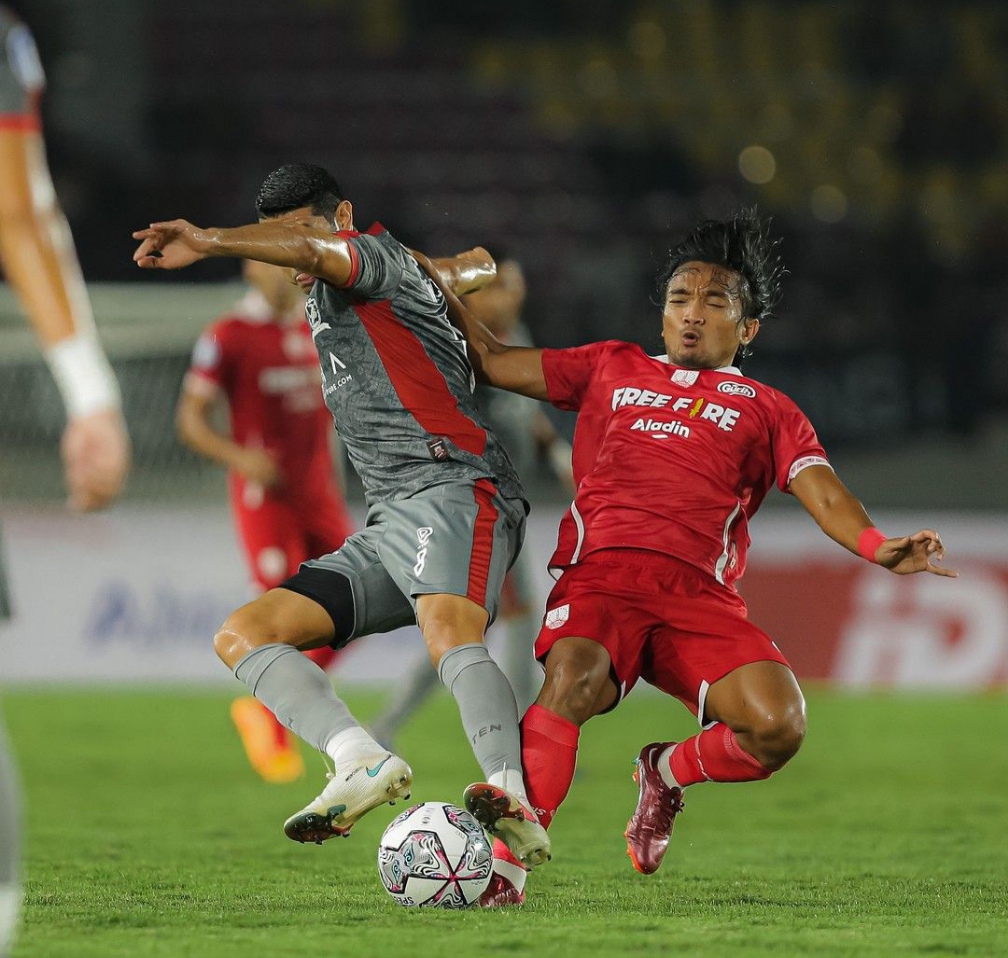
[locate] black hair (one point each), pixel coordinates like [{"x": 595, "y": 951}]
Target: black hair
[
  {"x": 294, "y": 185},
  {"x": 742, "y": 244}
]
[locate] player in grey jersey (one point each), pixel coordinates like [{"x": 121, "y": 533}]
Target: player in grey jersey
[
  {"x": 446, "y": 509},
  {"x": 526, "y": 433}
]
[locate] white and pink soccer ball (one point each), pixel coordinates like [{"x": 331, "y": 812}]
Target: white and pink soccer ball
[{"x": 435, "y": 855}]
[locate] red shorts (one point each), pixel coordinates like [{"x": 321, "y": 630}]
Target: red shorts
[
  {"x": 660, "y": 619},
  {"x": 277, "y": 535}
]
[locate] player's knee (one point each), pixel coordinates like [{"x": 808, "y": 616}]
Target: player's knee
[
  {"x": 779, "y": 734},
  {"x": 577, "y": 677},
  {"x": 244, "y": 630}
]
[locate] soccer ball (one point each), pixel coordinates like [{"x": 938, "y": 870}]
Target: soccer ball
[{"x": 435, "y": 855}]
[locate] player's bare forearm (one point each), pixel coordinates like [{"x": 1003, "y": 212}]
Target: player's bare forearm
[
  {"x": 843, "y": 518},
  {"x": 298, "y": 246},
  {"x": 466, "y": 272},
  {"x": 836, "y": 510},
  {"x": 514, "y": 368}
]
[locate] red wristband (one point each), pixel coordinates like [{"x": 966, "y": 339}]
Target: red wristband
[{"x": 869, "y": 541}]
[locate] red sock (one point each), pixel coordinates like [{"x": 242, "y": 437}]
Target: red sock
[
  {"x": 322, "y": 657},
  {"x": 714, "y": 756},
  {"x": 549, "y": 754}
]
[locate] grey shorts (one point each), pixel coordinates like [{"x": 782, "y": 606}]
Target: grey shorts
[{"x": 454, "y": 539}]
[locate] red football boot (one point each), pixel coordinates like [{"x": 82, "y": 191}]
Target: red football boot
[{"x": 650, "y": 827}]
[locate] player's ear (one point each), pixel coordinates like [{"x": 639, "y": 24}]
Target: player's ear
[
  {"x": 750, "y": 327},
  {"x": 344, "y": 215}
]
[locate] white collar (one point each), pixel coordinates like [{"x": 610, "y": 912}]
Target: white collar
[{"x": 727, "y": 370}]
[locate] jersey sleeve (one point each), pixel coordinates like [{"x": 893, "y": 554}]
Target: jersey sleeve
[
  {"x": 568, "y": 372},
  {"x": 21, "y": 77},
  {"x": 795, "y": 443},
  {"x": 213, "y": 360},
  {"x": 376, "y": 264}
]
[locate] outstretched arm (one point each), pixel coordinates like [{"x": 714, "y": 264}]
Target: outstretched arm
[
  {"x": 842, "y": 517},
  {"x": 515, "y": 368},
  {"x": 291, "y": 243}
]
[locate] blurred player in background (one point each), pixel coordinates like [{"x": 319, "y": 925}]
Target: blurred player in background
[
  {"x": 526, "y": 433},
  {"x": 446, "y": 508},
  {"x": 259, "y": 361},
  {"x": 672, "y": 455},
  {"x": 39, "y": 261}
]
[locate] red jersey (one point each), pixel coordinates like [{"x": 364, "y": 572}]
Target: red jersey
[
  {"x": 269, "y": 373},
  {"x": 670, "y": 459}
]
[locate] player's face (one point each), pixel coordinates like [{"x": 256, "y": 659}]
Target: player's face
[{"x": 702, "y": 325}]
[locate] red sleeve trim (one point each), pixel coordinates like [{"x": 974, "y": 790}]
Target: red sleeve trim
[{"x": 349, "y": 236}]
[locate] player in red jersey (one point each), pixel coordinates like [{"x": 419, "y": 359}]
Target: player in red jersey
[
  {"x": 672, "y": 456},
  {"x": 260, "y": 361}
]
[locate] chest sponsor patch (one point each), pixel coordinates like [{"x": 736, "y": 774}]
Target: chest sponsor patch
[
  {"x": 556, "y": 617},
  {"x": 730, "y": 388}
]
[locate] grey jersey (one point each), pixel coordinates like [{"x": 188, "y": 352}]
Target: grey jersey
[
  {"x": 21, "y": 76},
  {"x": 511, "y": 415},
  {"x": 397, "y": 380}
]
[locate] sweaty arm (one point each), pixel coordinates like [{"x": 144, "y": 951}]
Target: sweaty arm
[
  {"x": 517, "y": 369},
  {"x": 291, "y": 243},
  {"x": 193, "y": 423},
  {"x": 466, "y": 272},
  {"x": 842, "y": 517}
]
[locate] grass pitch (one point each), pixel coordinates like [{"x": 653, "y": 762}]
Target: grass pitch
[{"x": 149, "y": 836}]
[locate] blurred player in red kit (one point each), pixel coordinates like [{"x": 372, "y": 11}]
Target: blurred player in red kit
[
  {"x": 672, "y": 456},
  {"x": 285, "y": 497}
]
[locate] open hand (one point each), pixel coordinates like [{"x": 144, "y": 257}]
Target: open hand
[
  {"x": 170, "y": 245},
  {"x": 916, "y": 553}
]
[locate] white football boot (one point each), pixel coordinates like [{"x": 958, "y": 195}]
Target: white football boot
[
  {"x": 354, "y": 789},
  {"x": 511, "y": 820}
]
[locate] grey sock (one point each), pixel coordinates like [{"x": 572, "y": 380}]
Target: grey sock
[
  {"x": 296, "y": 691},
  {"x": 486, "y": 704},
  {"x": 407, "y": 698}
]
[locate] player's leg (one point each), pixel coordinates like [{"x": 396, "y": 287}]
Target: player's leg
[
  {"x": 730, "y": 674},
  {"x": 274, "y": 548},
  {"x": 589, "y": 646},
  {"x": 10, "y": 845},
  {"x": 449, "y": 548},
  {"x": 516, "y": 658},
  {"x": 330, "y": 601}
]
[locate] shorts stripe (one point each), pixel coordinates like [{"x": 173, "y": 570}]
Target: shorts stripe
[{"x": 483, "y": 539}]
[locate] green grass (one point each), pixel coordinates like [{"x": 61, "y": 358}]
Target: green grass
[{"x": 149, "y": 836}]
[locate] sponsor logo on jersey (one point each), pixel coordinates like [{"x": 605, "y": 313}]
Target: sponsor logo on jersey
[
  {"x": 662, "y": 430},
  {"x": 424, "y": 534},
  {"x": 724, "y": 417},
  {"x": 556, "y": 617},
  {"x": 685, "y": 377},
  {"x": 730, "y": 388}
]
